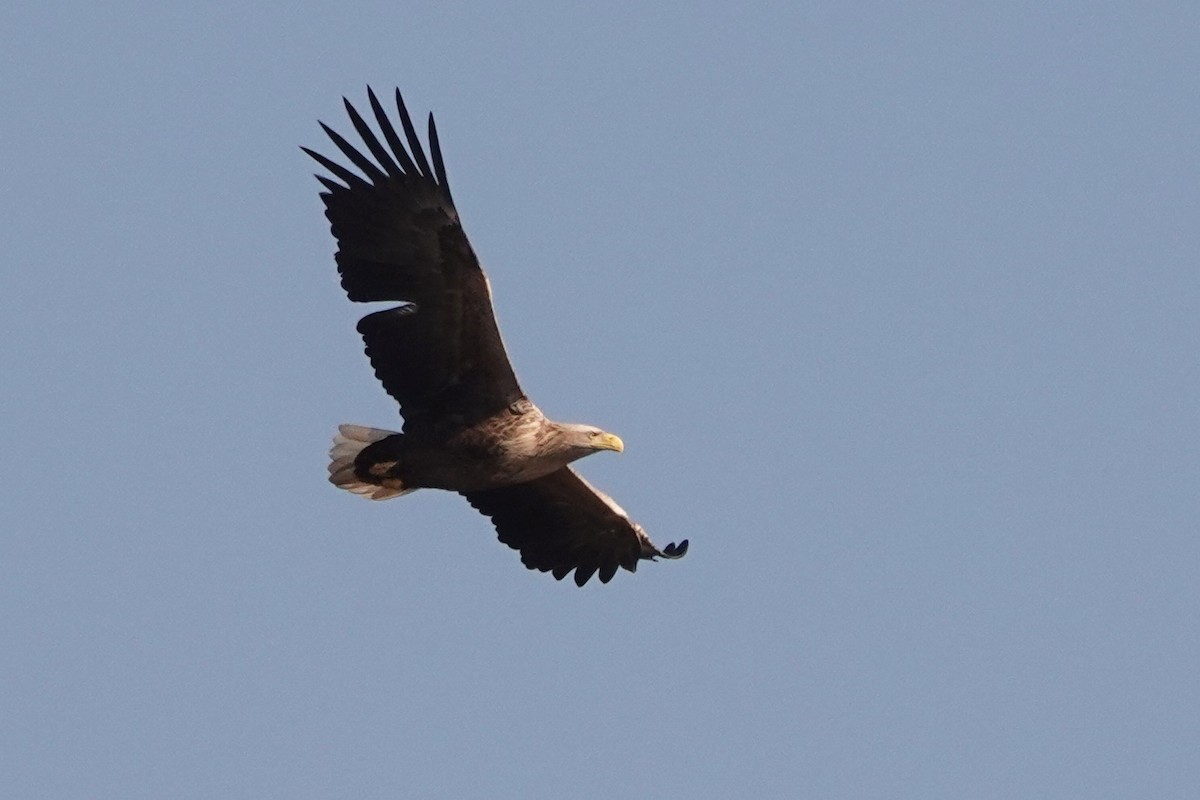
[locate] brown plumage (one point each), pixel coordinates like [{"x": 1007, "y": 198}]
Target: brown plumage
[{"x": 468, "y": 426}]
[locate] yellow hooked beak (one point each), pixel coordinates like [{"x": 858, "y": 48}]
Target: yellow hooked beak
[{"x": 609, "y": 441}]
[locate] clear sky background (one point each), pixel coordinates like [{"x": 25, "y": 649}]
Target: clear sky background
[{"x": 896, "y": 306}]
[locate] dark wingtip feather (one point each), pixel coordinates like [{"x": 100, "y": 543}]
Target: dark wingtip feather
[
  {"x": 351, "y": 152},
  {"x": 607, "y": 571},
  {"x": 582, "y": 574},
  {"x": 332, "y": 186},
  {"x": 389, "y": 134},
  {"x": 371, "y": 140},
  {"x": 439, "y": 167},
  {"x": 407, "y": 156},
  {"x": 414, "y": 144},
  {"x": 676, "y": 550},
  {"x": 337, "y": 169}
]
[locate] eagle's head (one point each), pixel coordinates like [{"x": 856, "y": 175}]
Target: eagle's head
[{"x": 583, "y": 440}]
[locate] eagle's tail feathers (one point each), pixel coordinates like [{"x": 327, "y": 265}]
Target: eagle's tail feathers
[{"x": 349, "y": 441}]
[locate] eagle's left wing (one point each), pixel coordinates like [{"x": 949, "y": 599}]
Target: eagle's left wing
[{"x": 561, "y": 523}]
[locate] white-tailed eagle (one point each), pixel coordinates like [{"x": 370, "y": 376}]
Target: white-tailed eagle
[{"x": 468, "y": 426}]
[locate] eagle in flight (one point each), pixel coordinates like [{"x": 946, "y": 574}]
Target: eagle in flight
[{"x": 468, "y": 426}]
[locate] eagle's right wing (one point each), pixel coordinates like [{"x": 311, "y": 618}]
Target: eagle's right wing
[{"x": 399, "y": 238}]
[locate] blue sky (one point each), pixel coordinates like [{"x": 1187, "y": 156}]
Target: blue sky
[{"x": 895, "y": 307}]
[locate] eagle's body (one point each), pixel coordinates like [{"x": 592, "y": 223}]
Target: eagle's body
[
  {"x": 513, "y": 446},
  {"x": 469, "y": 427}
]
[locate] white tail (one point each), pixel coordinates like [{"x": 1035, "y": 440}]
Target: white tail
[{"x": 347, "y": 444}]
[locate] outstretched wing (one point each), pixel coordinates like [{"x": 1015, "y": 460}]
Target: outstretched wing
[
  {"x": 399, "y": 238},
  {"x": 561, "y": 523}
]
